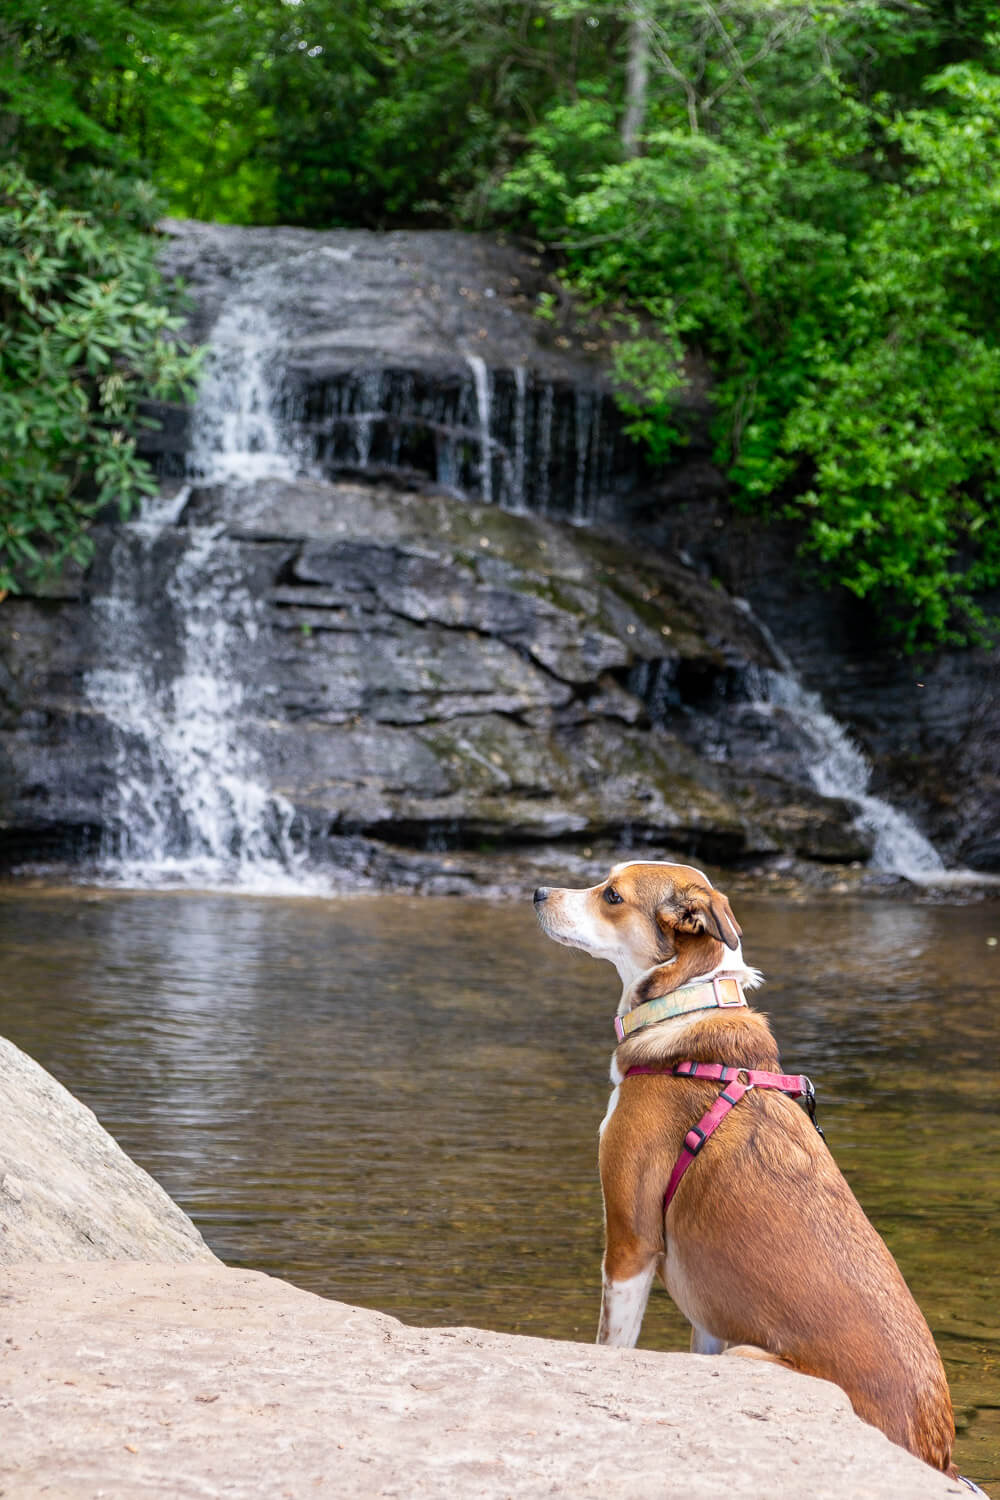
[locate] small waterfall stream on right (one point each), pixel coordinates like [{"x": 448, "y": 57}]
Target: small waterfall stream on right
[{"x": 838, "y": 768}]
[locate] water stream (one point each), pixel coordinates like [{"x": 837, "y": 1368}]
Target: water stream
[
  {"x": 481, "y": 376},
  {"x": 192, "y": 807},
  {"x": 839, "y": 768}
]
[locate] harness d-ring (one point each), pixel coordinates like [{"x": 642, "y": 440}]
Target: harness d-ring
[{"x": 737, "y": 1082}]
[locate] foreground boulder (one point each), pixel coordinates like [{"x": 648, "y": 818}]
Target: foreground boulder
[
  {"x": 197, "y": 1380},
  {"x": 137, "y": 1364},
  {"x": 67, "y": 1190}
]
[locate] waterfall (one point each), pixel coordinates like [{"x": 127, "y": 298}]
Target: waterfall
[
  {"x": 371, "y": 406},
  {"x": 481, "y": 376},
  {"x": 838, "y": 768},
  {"x": 544, "y": 458},
  {"x": 238, "y": 432},
  {"x": 178, "y": 685},
  {"x": 517, "y": 499},
  {"x": 588, "y": 436},
  {"x": 190, "y": 805},
  {"x": 504, "y": 436}
]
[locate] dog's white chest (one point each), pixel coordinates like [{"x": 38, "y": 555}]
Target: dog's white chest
[{"x": 612, "y": 1102}]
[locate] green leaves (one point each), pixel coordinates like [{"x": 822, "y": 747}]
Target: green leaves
[
  {"x": 900, "y": 422},
  {"x": 815, "y": 211},
  {"x": 84, "y": 339},
  {"x": 837, "y": 258}
]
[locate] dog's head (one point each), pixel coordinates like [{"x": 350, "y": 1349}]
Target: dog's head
[{"x": 644, "y": 917}]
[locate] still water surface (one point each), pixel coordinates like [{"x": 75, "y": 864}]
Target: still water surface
[{"x": 395, "y": 1101}]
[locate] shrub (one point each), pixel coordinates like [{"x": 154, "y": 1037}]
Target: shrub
[
  {"x": 841, "y": 272},
  {"x": 85, "y": 335}
]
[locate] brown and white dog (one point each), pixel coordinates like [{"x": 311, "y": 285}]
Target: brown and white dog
[{"x": 764, "y": 1244}]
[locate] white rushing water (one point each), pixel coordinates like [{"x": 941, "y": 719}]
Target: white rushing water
[
  {"x": 191, "y": 806},
  {"x": 484, "y": 405},
  {"x": 839, "y": 768},
  {"x": 238, "y": 434}
]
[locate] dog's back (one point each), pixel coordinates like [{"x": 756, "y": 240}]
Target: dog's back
[{"x": 766, "y": 1245}]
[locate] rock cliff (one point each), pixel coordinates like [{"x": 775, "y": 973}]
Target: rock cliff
[
  {"x": 411, "y": 673},
  {"x": 419, "y": 594}
]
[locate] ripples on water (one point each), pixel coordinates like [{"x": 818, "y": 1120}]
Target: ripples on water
[{"x": 395, "y": 1101}]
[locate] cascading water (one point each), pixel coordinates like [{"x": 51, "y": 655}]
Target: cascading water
[
  {"x": 190, "y": 807},
  {"x": 505, "y": 437},
  {"x": 823, "y": 748},
  {"x": 838, "y": 768},
  {"x": 238, "y": 434},
  {"x": 481, "y": 376}
]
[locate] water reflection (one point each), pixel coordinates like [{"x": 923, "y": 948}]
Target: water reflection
[{"x": 395, "y": 1101}]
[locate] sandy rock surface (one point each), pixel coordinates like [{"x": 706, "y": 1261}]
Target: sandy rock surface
[
  {"x": 67, "y": 1190},
  {"x": 194, "y": 1380}
]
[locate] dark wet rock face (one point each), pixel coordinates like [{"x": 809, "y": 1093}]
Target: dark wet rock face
[
  {"x": 400, "y": 352},
  {"x": 929, "y": 724},
  {"x": 366, "y": 634},
  {"x": 429, "y": 674}
]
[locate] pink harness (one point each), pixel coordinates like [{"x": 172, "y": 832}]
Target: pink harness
[{"x": 738, "y": 1081}]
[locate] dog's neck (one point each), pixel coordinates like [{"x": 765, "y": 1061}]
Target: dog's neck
[
  {"x": 696, "y": 966},
  {"x": 730, "y": 1036}
]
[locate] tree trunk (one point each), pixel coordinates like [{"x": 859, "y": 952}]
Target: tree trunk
[{"x": 636, "y": 79}]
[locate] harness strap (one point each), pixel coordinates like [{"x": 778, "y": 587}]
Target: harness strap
[
  {"x": 699, "y": 1134},
  {"x": 737, "y": 1081}
]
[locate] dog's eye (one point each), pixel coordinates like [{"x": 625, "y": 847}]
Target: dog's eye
[{"x": 611, "y": 896}]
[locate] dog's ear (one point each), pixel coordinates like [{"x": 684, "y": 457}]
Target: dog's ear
[{"x": 700, "y": 911}]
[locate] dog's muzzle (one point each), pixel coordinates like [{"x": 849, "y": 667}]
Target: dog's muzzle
[{"x": 541, "y": 894}]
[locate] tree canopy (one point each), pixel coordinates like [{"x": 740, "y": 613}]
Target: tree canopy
[{"x": 805, "y": 193}]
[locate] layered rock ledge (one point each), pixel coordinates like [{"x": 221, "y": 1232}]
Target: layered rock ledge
[{"x": 410, "y": 673}]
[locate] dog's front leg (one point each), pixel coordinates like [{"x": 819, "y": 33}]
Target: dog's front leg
[
  {"x": 623, "y": 1301},
  {"x": 632, "y": 1251}
]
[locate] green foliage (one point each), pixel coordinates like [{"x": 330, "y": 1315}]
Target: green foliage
[
  {"x": 101, "y": 82},
  {"x": 839, "y": 267},
  {"x": 900, "y": 421},
  {"x": 84, "y": 336},
  {"x": 811, "y": 209},
  {"x": 402, "y": 113}
]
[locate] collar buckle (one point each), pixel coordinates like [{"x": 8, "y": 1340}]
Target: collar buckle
[{"x": 720, "y": 1000}]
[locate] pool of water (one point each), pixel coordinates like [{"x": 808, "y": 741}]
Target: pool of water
[{"x": 395, "y": 1101}]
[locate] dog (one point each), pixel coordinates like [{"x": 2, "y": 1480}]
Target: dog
[{"x": 763, "y": 1246}]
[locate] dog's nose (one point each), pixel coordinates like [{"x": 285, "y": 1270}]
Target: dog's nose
[{"x": 542, "y": 894}]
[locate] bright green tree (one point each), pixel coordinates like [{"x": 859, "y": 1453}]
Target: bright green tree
[
  {"x": 834, "y": 254},
  {"x": 84, "y": 338}
]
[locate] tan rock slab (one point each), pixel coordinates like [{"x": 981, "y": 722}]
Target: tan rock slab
[
  {"x": 127, "y": 1380},
  {"x": 67, "y": 1189}
]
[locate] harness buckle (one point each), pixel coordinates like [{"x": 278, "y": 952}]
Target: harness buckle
[
  {"x": 809, "y": 1098},
  {"x": 701, "y": 1136}
]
